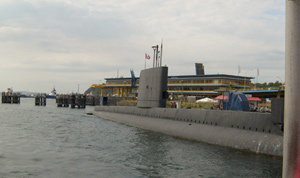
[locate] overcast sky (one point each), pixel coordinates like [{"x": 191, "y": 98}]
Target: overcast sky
[{"x": 65, "y": 43}]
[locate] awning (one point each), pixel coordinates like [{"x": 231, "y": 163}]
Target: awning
[
  {"x": 253, "y": 99},
  {"x": 221, "y": 97}
]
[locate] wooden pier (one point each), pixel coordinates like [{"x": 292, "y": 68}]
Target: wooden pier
[
  {"x": 40, "y": 100},
  {"x": 74, "y": 100},
  {"x": 11, "y": 98}
]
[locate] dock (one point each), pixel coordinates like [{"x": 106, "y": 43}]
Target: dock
[
  {"x": 11, "y": 98},
  {"x": 72, "y": 100},
  {"x": 40, "y": 100}
]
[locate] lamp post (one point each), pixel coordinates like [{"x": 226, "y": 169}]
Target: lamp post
[
  {"x": 245, "y": 78},
  {"x": 279, "y": 78}
]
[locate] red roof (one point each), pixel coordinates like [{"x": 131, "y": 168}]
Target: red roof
[{"x": 221, "y": 97}]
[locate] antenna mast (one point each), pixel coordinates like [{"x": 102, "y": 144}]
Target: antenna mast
[{"x": 161, "y": 50}]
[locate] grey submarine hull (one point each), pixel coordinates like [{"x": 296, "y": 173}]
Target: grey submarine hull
[{"x": 247, "y": 131}]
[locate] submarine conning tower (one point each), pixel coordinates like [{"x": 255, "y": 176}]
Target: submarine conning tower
[{"x": 153, "y": 88}]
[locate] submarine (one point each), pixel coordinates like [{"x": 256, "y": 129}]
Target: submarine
[{"x": 259, "y": 133}]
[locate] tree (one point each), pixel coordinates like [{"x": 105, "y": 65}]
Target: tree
[
  {"x": 270, "y": 84},
  {"x": 277, "y": 83}
]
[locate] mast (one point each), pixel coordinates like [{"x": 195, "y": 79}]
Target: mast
[{"x": 161, "y": 50}]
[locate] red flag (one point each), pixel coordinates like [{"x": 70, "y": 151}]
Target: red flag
[{"x": 147, "y": 56}]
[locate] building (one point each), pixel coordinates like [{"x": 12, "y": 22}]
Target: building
[{"x": 188, "y": 85}]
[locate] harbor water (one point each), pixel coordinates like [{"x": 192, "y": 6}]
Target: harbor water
[{"x": 46, "y": 141}]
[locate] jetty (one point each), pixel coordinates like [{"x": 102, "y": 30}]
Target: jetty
[
  {"x": 72, "y": 100},
  {"x": 11, "y": 98},
  {"x": 40, "y": 100}
]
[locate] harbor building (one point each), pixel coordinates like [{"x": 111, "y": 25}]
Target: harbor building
[{"x": 200, "y": 84}]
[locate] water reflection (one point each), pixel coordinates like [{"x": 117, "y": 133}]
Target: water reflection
[{"x": 164, "y": 156}]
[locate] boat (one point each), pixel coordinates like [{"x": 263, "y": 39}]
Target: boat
[{"x": 52, "y": 94}]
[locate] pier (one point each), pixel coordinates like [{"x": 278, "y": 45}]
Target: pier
[
  {"x": 62, "y": 100},
  {"x": 74, "y": 100},
  {"x": 40, "y": 100},
  {"x": 11, "y": 98}
]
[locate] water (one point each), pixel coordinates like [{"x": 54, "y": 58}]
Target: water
[{"x": 46, "y": 141}]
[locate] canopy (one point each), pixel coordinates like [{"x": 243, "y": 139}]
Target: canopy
[
  {"x": 221, "y": 97},
  {"x": 206, "y": 100},
  {"x": 253, "y": 99}
]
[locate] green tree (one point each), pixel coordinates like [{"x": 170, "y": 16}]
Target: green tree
[
  {"x": 270, "y": 84},
  {"x": 277, "y": 83}
]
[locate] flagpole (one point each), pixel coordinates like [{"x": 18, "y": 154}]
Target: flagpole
[
  {"x": 257, "y": 74},
  {"x": 161, "y": 49},
  {"x": 156, "y": 56},
  {"x": 145, "y": 60}
]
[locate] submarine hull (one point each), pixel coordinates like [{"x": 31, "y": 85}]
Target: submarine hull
[{"x": 233, "y": 130}]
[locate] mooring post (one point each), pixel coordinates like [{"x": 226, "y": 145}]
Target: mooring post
[
  {"x": 291, "y": 141},
  {"x": 9, "y": 97},
  {"x": 3, "y": 97},
  {"x": 59, "y": 100},
  {"x": 37, "y": 100},
  {"x": 72, "y": 99},
  {"x": 43, "y": 100}
]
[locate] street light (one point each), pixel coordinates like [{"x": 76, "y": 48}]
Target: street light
[{"x": 279, "y": 78}]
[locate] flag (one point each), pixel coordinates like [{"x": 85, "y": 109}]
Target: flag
[{"x": 147, "y": 56}]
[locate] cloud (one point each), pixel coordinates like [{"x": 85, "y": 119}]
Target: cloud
[{"x": 94, "y": 39}]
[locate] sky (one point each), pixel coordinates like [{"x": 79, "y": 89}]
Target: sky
[{"x": 72, "y": 44}]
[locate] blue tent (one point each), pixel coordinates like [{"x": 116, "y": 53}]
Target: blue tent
[{"x": 237, "y": 102}]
